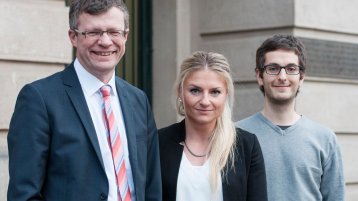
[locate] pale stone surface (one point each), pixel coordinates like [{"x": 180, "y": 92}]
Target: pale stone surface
[
  {"x": 165, "y": 61},
  {"x": 13, "y": 76},
  {"x": 349, "y": 147},
  {"x": 325, "y": 35},
  {"x": 330, "y": 15},
  {"x": 35, "y": 30},
  {"x": 352, "y": 192},
  {"x": 234, "y": 15},
  {"x": 248, "y": 100},
  {"x": 4, "y": 160},
  {"x": 331, "y": 103}
]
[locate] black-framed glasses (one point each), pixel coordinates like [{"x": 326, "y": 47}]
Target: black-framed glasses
[
  {"x": 113, "y": 34},
  {"x": 275, "y": 69}
]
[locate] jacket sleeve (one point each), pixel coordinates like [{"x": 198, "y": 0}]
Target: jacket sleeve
[
  {"x": 28, "y": 145},
  {"x": 256, "y": 181},
  {"x": 154, "y": 182}
]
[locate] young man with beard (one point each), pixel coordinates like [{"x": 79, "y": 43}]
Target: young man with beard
[{"x": 302, "y": 158}]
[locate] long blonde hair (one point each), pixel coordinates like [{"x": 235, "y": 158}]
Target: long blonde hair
[{"x": 222, "y": 142}]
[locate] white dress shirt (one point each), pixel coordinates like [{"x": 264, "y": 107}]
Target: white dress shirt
[{"x": 90, "y": 86}]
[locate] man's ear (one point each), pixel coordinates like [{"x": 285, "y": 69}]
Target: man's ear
[
  {"x": 258, "y": 77},
  {"x": 126, "y": 34},
  {"x": 73, "y": 37},
  {"x": 302, "y": 78}
]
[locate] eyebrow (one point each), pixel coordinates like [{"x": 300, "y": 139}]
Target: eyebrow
[
  {"x": 280, "y": 65},
  {"x": 215, "y": 88},
  {"x": 193, "y": 85}
]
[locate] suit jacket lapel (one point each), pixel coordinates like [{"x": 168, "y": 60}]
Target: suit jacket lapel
[
  {"x": 179, "y": 137},
  {"x": 128, "y": 111},
  {"x": 74, "y": 91}
]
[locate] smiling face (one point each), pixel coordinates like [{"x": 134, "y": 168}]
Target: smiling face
[
  {"x": 281, "y": 88},
  {"x": 204, "y": 94},
  {"x": 100, "y": 56}
]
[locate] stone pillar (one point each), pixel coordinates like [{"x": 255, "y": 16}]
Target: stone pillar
[
  {"x": 34, "y": 44},
  {"x": 172, "y": 43}
]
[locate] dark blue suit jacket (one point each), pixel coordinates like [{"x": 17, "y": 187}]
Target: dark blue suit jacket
[
  {"x": 53, "y": 148},
  {"x": 246, "y": 182}
]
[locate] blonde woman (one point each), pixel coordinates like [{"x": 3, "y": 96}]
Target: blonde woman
[{"x": 204, "y": 157}]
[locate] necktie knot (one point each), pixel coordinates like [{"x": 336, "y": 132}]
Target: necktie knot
[{"x": 105, "y": 90}]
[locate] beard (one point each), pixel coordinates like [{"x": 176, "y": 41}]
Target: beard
[{"x": 280, "y": 101}]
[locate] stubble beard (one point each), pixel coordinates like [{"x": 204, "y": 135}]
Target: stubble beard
[{"x": 282, "y": 101}]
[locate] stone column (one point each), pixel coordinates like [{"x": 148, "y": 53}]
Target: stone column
[{"x": 172, "y": 42}]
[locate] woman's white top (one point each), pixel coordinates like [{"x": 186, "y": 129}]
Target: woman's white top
[{"x": 194, "y": 183}]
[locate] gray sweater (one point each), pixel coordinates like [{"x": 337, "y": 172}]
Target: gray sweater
[{"x": 303, "y": 162}]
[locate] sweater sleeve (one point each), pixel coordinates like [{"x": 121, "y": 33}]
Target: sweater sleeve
[{"x": 332, "y": 181}]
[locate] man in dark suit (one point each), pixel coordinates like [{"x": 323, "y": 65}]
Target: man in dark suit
[{"x": 62, "y": 143}]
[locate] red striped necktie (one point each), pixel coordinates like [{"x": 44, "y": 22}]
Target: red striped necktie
[{"x": 116, "y": 145}]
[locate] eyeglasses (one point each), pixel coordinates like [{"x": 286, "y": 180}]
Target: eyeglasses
[
  {"x": 113, "y": 34},
  {"x": 275, "y": 69}
]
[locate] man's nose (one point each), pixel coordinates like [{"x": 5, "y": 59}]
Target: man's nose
[
  {"x": 282, "y": 74},
  {"x": 105, "y": 39}
]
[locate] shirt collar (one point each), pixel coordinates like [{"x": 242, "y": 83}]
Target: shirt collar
[{"x": 89, "y": 83}]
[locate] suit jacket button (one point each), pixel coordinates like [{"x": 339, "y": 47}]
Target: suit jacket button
[{"x": 103, "y": 196}]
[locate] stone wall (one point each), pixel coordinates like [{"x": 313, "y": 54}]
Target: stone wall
[{"x": 34, "y": 44}]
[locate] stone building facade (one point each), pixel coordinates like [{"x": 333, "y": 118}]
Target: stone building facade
[{"x": 34, "y": 44}]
